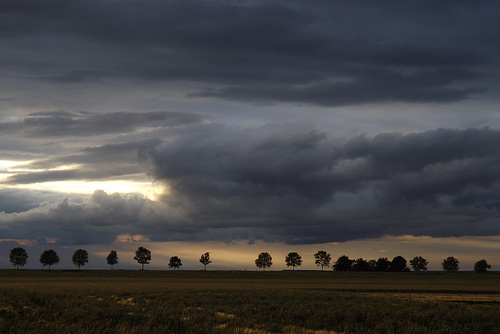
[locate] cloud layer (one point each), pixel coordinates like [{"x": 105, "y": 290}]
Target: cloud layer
[
  {"x": 328, "y": 54},
  {"x": 299, "y": 122},
  {"x": 296, "y": 184},
  {"x": 292, "y": 183}
]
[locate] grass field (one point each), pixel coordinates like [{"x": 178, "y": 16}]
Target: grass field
[{"x": 56, "y": 301}]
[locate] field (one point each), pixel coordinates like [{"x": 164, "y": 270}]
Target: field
[{"x": 57, "y": 301}]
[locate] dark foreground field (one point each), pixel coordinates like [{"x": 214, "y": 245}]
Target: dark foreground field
[{"x": 33, "y": 301}]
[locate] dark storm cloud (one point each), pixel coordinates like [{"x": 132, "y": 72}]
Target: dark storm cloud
[
  {"x": 57, "y": 133},
  {"x": 325, "y": 53},
  {"x": 98, "y": 219},
  {"x": 282, "y": 182},
  {"x": 78, "y": 76},
  {"x": 69, "y": 124},
  {"x": 291, "y": 183},
  {"x": 300, "y": 185},
  {"x": 21, "y": 200},
  {"x": 338, "y": 94}
]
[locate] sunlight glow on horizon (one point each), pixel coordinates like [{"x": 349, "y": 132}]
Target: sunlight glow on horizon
[
  {"x": 241, "y": 254},
  {"x": 89, "y": 187},
  {"x": 146, "y": 187}
]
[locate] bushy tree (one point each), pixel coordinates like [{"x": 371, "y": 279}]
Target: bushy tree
[
  {"x": 49, "y": 257},
  {"x": 450, "y": 264},
  {"x": 418, "y": 263},
  {"x": 142, "y": 256},
  {"x": 112, "y": 258},
  {"x": 382, "y": 264},
  {"x": 174, "y": 262},
  {"x": 372, "y": 264},
  {"x": 264, "y": 260},
  {"x": 398, "y": 264},
  {"x": 18, "y": 257},
  {"x": 205, "y": 260},
  {"x": 80, "y": 257},
  {"x": 343, "y": 263},
  {"x": 481, "y": 267},
  {"x": 322, "y": 258},
  {"x": 293, "y": 259},
  {"x": 360, "y": 265}
]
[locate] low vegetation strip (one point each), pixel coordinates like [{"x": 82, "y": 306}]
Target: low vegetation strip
[{"x": 246, "y": 302}]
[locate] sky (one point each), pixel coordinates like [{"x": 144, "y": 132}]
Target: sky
[{"x": 367, "y": 129}]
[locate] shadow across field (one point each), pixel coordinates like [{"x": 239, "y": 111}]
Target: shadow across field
[{"x": 227, "y": 280}]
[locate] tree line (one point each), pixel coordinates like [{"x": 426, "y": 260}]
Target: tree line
[
  {"x": 344, "y": 263},
  {"x": 19, "y": 257}
]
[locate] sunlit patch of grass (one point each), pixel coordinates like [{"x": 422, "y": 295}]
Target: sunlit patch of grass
[
  {"x": 126, "y": 301},
  {"x": 443, "y": 297},
  {"x": 250, "y": 331},
  {"x": 224, "y": 315},
  {"x": 297, "y": 330}
]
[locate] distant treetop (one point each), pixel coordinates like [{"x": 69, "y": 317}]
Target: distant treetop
[
  {"x": 264, "y": 260},
  {"x": 18, "y": 257},
  {"x": 205, "y": 260},
  {"x": 49, "y": 257}
]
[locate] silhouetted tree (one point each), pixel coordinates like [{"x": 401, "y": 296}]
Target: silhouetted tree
[
  {"x": 205, "y": 260},
  {"x": 372, "y": 264},
  {"x": 265, "y": 260},
  {"x": 174, "y": 262},
  {"x": 360, "y": 265},
  {"x": 49, "y": 257},
  {"x": 80, "y": 257},
  {"x": 293, "y": 260},
  {"x": 343, "y": 263},
  {"x": 398, "y": 264},
  {"x": 383, "y": 264},
  {"x": 18, "y": 257},
  {"x": 450, "y": 264},
  {"x": 481, "y": 267},
  {"x": 418, "y": 263},
  {"x": 142, "y": 256},
  {"x": 322, "y": 259},
  {"x": 112, "y": 258}
]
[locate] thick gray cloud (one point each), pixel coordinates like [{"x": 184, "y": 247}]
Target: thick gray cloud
[
  {"x": 325, "y": 53},
  {"x": 98, "y": 219},
  {"x": 291, "y": 183},
  {"x": 297, "y": 184},
  {"x": 115, "y": 156},
  {"x": 91, "y": 163},
  {"x": 20, "y": 200},
  {"x": 70, "y": 124},
  {"x": 89, "y": 88}
]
